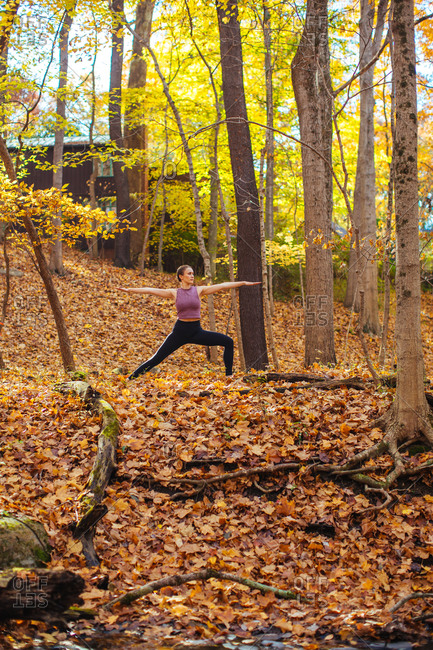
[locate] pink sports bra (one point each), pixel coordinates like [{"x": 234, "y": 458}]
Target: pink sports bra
[{"x": 188, "y": 303}]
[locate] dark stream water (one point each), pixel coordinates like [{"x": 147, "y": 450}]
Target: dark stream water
[{"x": 270, "y": 642}]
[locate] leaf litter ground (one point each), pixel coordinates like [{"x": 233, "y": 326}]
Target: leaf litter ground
[{"x": 292, "y": 530}]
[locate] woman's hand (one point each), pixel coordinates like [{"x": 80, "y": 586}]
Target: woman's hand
[
  {"x": 125, "y": 289},
  {"x": 249, "y": 284}
]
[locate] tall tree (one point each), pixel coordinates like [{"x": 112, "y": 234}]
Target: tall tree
[
  {"x": 364, "y": 202},
  {"x": 410, "y": 413},
  {"x": 56, "y": 255},
  {"x": 313, "y": 94},
  {"x": 122, "y": 255},
  {"x": 135, "y": 126},
  {"x": 246, "y": 194},
  {"x": 270, "y": 141}
]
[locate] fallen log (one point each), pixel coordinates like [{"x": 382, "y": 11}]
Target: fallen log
[
  {"x": 39, "y": 594},
  {"x": 284, "y": 376},
  {"x": 319, "y": 382},
  {"x": 91, "y": 508}
]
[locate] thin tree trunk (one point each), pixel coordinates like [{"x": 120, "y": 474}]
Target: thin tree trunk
[
  {"x": 247, "y": 200},
  {"x": 161, "y": 228},
  {"x": 213, "y": 201},
  {"x": 122, "y": 254},
  {"x": 56, "y": 253},
  {"x": 388, "y": 231},
  {"x": 135, "y": 127},
  {"x": 164, "y": 193},
  {"x": 266, "y": 301},
  {"x": 92, "y": 242},
  {"x": 56, "y": 308},
  {"x": 312, "y": 87},
  {"x": 270, "y": 145},
  {"x": 364, "y": 204},
  {"x": 233, "y": 292}
]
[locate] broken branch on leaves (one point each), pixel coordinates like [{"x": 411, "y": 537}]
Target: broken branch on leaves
[{"x": 205, "y": 574}]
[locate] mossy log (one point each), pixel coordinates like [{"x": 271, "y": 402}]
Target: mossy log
[
  {"x": 38, "y": 594},
  {"x": 91, "y": 507}
]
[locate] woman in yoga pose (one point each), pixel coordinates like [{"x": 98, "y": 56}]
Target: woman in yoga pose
[{"x": 187, "y": 328}]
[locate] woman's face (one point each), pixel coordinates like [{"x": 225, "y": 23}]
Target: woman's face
[{"x": 188, "y": 276}]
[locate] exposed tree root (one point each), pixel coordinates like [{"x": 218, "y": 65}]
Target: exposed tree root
[
  {"x": 396, "y": 439},
  {"x": 91, "y": 508},
  {"x": 380, "y": 506},
  {"x": 200, "y": 484},
  {"x": 206, "y": 574}
]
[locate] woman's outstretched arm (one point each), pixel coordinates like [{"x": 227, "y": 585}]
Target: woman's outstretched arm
[
  {"x": 163, "y": 293},
  {"x": 213, "y": 288}
]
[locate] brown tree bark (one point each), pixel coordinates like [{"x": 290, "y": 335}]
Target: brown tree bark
[
  {"x": 312, "y": 87},
  {"x": 247, "y": 199},
  {"x": 56, "y": 252},
  {"x": 364, "y": 203},
  {"x": 122, "y": 255},
  {"x": 213, "y": 204},
  {"x": 410, "y": 408},
  {"x": 270, "y": 143},
  {"x": 135, "y": 127}
]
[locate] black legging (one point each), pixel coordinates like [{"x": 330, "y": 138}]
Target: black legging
[{"x": 188, "y": 332}]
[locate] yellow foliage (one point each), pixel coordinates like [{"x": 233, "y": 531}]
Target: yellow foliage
[{"x": 42, "y": 206}]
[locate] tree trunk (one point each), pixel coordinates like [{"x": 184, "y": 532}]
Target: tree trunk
[
  {"x": 266, "y": 299},
  {"x": 92, "y": 241},
  {"x": 53, "y": 299},
  {"x": 122, "y": 256},
  {"x": 161, "y": 228},
  {"x": 410, "y": 408},
  {"x": 388, "y": 228},
  {"x": 270, "y": 148},
  {"x": 247, "y": 200},
  {"x": 135, "y": 128},
  {"x": 364, "y": 204},
  {"x": 213, "y": 200},
  {"x": 56, "y": 253},
  {"x": 270, "y": 144},
  {"x": 312, "y": 87}
]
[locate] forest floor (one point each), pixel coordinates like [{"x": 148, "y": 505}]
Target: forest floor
[{"x": 293, "y": 530}]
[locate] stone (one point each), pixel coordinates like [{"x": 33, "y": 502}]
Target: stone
[{"x": 23, "y": 542}]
